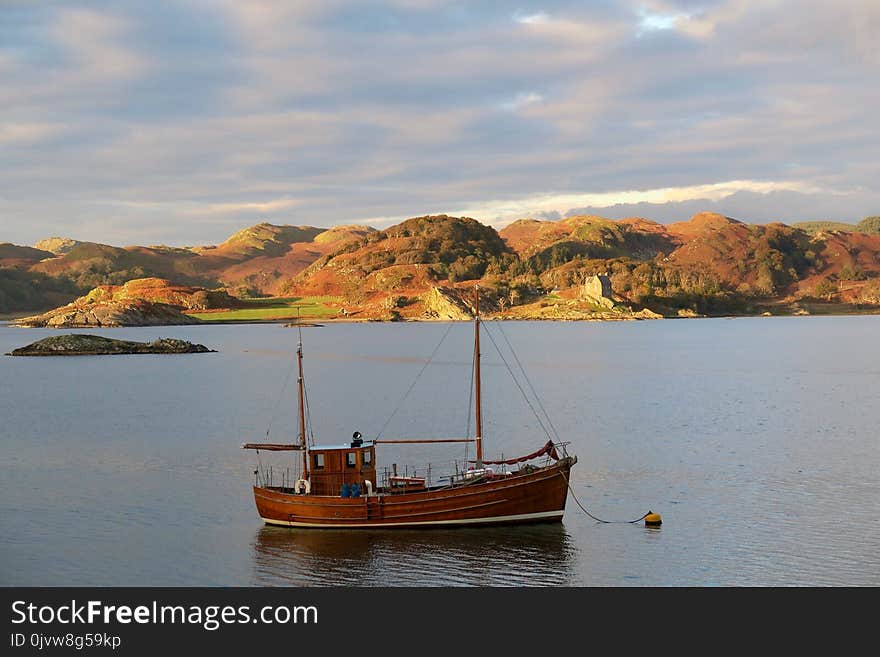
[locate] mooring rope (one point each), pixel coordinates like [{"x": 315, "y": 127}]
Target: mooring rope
[{"x": 584, "y": 509}]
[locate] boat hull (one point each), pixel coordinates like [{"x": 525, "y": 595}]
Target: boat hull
[{"x": 533, "y": 497}]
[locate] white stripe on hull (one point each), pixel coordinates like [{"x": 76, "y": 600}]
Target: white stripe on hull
[{"x": 464, "y": 521}]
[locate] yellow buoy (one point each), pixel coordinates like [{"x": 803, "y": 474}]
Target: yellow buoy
[{"x": 653, "y": 519}]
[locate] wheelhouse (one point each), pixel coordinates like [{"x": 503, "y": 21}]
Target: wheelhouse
[{"x": 348, "y": 470}]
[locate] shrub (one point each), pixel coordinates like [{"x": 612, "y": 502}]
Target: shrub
[
  {"x": 825, "y": 289},
  {"x": 852, "y": 272},
  {"x": 869, "y": 225}
]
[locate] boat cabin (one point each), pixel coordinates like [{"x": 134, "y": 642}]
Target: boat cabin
[{"x": 347, "y": 470}]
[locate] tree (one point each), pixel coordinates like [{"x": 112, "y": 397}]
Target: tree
[
  {"x": 869, "y": 225},
  {"x": 852, "y": 272},
  {"x": 825, "y": 289}
]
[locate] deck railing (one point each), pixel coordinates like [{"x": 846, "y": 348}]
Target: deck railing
[{"x": 394, "y": 478}]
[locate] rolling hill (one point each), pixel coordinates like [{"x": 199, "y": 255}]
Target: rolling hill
[
  {"x": 426, "y": 267},
  {"x": 254, "y": 261}
]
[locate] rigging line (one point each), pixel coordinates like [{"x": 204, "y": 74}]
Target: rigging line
[
  {"x": 413, "y": 384},
  {"x": 470, "y": 403},
  {"x": 584, "y": 509},
  {"x": 516, "y": 381},
  {"x": 529, "y": 382},
  {"x": 278, "y": 401},
  {"x": 311, "y": 433}
]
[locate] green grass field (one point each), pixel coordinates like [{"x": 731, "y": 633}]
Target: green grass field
[{"x": 275, "y": 308}]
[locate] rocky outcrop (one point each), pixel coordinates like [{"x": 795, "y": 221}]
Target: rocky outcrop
[
  {"x": 445, "y": 304},
  {"x": 57, "y": 245},
  {"x": 597, "y": 290},
  {"x": 109, "y": 314},
  {"x": 869, "y": 293},
  {"x": 140, "y": 302},
  {"x": 78, "y": 344},
  {"x": 160, "y": 290},
  {"x": 574, "y": 309}
]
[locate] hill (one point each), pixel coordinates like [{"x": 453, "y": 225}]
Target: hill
[
  {"x": 721, "y": 266},
  {"x": 813, "y": 227},
  {"x": 255, "y": 261},
  {"x": 264, "y": 268},
  {"x": 426, "y": 267},
  {"x": 869, "y": 225},
  {"x": 12, "y": 256},
  {"x": 140, "y": 302},
  {"x": 262, "y": 240},
  {"x": 397, "y": 272},
  {"x": 550, "y": 243},
  {"x": 56, "y": 245}
]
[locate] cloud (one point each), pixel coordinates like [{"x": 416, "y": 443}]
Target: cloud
[
  {"x": 206, "y": 209},
  {"x": 779, "y": 206},
  {"x": 522, "y": 100},
  {"x": 186, "y": 120},
  {"x": 273, "y": 206},
  {"x": 64, "y": 66},
  {"x": 500, "y": 212},
  {"x": 95, "y": 44},
  {"x": 28, "y": 133},
  {"x": 652, "y": 21},
  {"x": 531, "y": 19},
  {"x": 702, "y": 20}
]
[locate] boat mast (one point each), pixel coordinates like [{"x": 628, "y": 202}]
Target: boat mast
[
  {"x": 302, "y": 409},
  {"x": 479, "y": 409}
]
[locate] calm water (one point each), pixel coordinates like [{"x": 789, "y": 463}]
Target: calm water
[{"x": 756, "y": 439}]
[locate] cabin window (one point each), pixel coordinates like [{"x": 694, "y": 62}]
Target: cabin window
[
  {"x": 319, "y": 461},
  {"x": 368, "y": 458},
  {"x": 351, "y": 459}
]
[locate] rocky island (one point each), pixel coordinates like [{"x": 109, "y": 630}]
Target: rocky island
[{"x": 78, "y": 344}]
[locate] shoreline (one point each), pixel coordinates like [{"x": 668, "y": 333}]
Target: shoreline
[{"x": 318, "y": 322}]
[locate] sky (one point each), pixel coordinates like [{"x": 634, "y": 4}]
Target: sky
[{"x": 180, "y": 122}]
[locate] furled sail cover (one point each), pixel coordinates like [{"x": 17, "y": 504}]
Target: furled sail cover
[{"x": 549, "y": 449}]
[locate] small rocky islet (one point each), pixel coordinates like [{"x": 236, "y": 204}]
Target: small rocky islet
[{"x": 79, "y": 344}]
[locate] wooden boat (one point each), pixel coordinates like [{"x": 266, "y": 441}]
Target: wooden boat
[{"x": 337, "y": 486}]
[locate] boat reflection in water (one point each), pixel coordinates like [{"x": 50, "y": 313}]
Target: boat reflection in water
[{"x": 535, "y": 555}]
